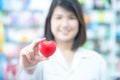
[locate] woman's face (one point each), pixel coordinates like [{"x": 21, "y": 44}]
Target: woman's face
[{"x": 64, "y": 25}]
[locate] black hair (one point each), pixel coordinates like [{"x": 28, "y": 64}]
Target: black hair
[{"x": 75, "y": 7}]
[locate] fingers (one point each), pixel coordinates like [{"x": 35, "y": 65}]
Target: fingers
[
  {"x": 28, "y": 53},
  {"x": 40, "y": 58},
  {"x": 36, "y": 51},
  {"x": 28, "y": 57}
]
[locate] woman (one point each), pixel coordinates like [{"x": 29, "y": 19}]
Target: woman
[{"x": 65, "y": 25}]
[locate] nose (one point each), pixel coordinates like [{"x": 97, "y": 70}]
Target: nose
[{"x": 64, "y": 23}]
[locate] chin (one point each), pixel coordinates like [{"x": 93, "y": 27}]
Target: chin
[{"x": 66, "y": 40}]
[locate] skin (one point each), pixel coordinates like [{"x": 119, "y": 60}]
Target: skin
[
  {"x": 29, "y": 56},
  {"x": 64, "y": 26}
]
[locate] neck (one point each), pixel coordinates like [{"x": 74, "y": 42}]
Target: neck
[{"x": 65, "y": 46}]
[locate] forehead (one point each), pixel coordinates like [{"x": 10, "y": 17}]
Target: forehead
[{"x": 60, "y": 10}]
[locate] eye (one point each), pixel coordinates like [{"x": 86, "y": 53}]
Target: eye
[
  {"x": 58, "y": 17},
  {"x": 72, "y": 17}
]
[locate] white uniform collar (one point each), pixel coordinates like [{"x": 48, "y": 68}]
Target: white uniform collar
[{"x": 79, "y": 57}]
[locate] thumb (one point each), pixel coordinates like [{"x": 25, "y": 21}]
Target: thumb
[{"x": 36, "y": 42}]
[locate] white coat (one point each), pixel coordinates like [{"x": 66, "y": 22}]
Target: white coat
[{"x": 86, "y": 65}]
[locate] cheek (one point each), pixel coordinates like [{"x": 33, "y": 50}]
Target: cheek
[
  {"x": 76, "y": 30},
  {"x": 52, "y": 26},
  {"x": 53, "y": 30},
  {"x": 76, "y": 26}
]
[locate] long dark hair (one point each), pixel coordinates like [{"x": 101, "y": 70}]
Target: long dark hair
[{"x": 75, "y": 7}]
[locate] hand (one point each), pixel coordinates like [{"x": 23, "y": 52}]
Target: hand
[{"x": 29, "y": 56}]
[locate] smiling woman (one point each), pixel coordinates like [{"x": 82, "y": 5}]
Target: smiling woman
[
  {"x": 73, "y": 11},
  {"x": 64, "y": 25}
]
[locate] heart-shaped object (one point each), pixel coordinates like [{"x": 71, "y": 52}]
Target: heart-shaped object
[{"x": 47, "y": 48}]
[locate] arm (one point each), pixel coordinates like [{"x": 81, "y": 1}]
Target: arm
[
  {"x": 36, "y": 75},
  {"x": 29, "y": 57},
  {"x": 23, "y": 75}
]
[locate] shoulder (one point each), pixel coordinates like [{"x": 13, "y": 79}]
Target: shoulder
[{"x": 91, "y": 54}]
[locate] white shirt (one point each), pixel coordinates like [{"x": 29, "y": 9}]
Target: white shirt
[{"x": 86, "y": 65}]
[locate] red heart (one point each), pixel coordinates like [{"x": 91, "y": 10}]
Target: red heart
[{"x": 47, "y": 48}]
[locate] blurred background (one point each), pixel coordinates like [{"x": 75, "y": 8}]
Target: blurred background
[{"x": 22, "y": 21}]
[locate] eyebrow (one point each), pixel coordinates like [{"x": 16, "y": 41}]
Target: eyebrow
[{"x": 59, "y": 14}]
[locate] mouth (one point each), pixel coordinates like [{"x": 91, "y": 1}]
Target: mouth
[{"x": 64, "y": 32}]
